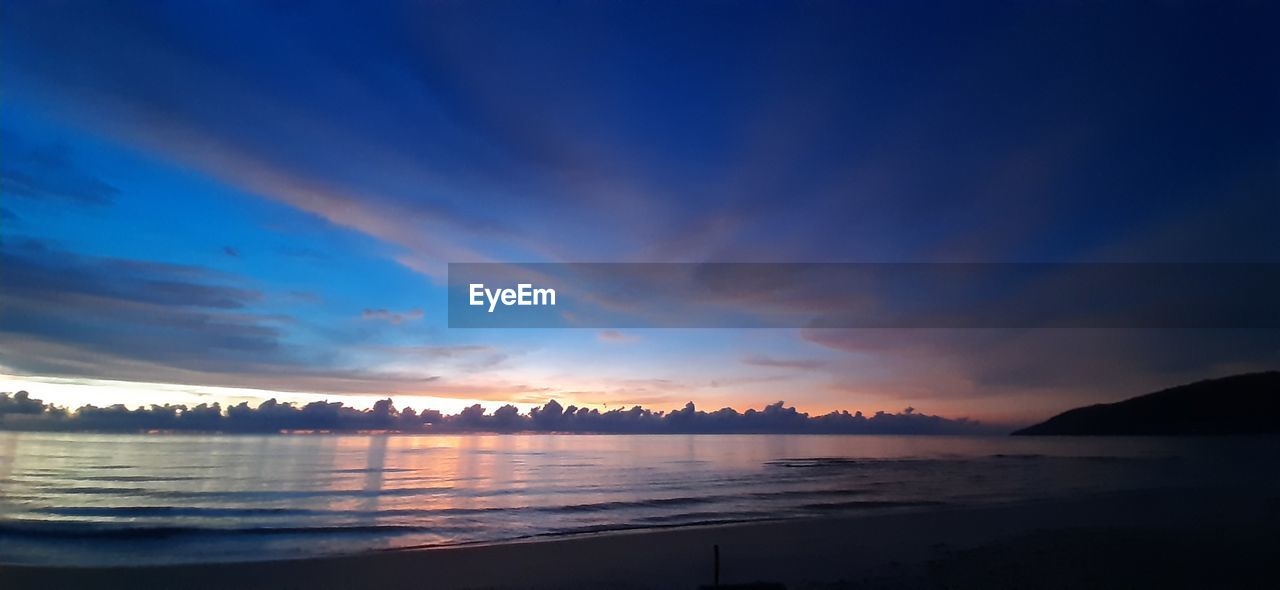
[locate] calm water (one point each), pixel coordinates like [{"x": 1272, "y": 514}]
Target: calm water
[{"x": 93, "y": 499}]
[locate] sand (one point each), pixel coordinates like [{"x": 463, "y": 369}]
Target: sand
[{"x": 1175, "y": 538}]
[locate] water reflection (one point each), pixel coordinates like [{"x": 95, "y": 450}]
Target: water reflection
[
  {"x": 184, "y": 498},
  {"x": 375, "y": 463}
]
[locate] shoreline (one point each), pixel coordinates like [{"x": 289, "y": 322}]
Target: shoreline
[{"x": 904, "y": 548}]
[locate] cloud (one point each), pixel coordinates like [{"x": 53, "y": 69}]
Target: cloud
[
  {"x": 20, "y": 411},
  {"x": 153, "y": 311},
  {"x": 467, "y": 357},
  {"x": 377, "y": 174},
  {"x": 393, "y": 318},
  {"x": 764, "y": 361},
  {"x": 307, "y": 297},
  {"x": 35, "y": 270},
  {"x": 132, "y": 320},
  {"x": 280, "y": 370},
  {"x": 615, "y": 337},
  {"x": 49, "y": 171},
  {"x": 442, "y": 351}
]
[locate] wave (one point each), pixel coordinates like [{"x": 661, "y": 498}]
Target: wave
[
  {"x": 623, "y": 504},
  {"x": 244, "y": 495},
  {"x": 138, "y": 478},
  {"x": 80, "y": 530},
  {"x": 372, "y": 470},
  {"x": 842, "y": 506},
  {"x": 135, "y": 511},
  {"x": 164, "y": 511},
  {"x": 696, "y": 518}
]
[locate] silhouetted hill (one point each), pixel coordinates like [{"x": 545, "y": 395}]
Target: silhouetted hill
[{"x": 1242, "y": 404}]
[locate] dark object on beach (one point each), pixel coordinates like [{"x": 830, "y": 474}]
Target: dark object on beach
[
  {"x": 1242, "y": 404},
  {"x": 715, "y": 585}
]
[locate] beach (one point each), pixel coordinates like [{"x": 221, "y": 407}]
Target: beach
[{"x": 1167, "y": 538}]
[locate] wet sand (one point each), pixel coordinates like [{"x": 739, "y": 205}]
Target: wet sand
[{"x": 1176, "y": 538}]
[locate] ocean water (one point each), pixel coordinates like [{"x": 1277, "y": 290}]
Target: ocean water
[{"x": 88, "y": 499}]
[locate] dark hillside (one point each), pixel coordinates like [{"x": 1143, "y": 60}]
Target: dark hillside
[{"x": 1241, "y": 404}]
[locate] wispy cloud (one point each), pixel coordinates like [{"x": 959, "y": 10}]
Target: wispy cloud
[
  {"x": 765, "y": 361},
  {"x": 394, "y": 318},
  {"x": 616, "y": 337},
  {"x": 49, "y": 171}
]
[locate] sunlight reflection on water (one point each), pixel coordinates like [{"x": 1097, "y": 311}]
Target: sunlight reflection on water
[{"x": 86, "y": 498}]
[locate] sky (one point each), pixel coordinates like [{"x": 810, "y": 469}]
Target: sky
[{"x": 229, "y": 201}]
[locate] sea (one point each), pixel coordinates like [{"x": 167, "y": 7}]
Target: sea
[{"x": 100, "y": 499}]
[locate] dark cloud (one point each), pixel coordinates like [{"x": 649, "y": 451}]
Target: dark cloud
[
  {"x": 109, "y": 318},
  {"x": 19, "y": 411},
  {"x": 39, "y": 272},
  {"x": 156, "y": 312},
  {"x": 49, "y": 171}
]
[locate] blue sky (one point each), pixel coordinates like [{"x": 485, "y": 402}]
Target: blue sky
[{"x": 251, "y": 195}]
